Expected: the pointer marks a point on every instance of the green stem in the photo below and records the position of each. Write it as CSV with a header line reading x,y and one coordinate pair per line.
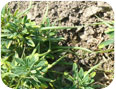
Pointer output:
x,y
94,67
60,27
106,71
49,41
104,51
18,83
23,52
73,47
45,53
54,63
65,63
30,5
39,48
49,45
56,72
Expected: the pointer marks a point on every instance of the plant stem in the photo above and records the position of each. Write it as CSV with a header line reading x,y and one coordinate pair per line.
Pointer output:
x,y
73,47
104,51
23,52
45,53
30,5
39,48
60,27
56,72
18,83
49,45
94,67
54,63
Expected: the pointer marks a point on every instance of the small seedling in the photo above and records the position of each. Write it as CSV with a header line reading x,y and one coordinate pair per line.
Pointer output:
x,y
81,79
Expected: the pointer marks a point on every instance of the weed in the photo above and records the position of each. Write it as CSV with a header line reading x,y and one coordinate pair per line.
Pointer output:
x,y
109,32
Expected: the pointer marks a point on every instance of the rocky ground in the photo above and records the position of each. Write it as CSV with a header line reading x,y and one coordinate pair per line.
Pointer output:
x,y
74,13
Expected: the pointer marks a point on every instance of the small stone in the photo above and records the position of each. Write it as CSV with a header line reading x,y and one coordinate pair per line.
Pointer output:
x,y
30,16
103,4
91,11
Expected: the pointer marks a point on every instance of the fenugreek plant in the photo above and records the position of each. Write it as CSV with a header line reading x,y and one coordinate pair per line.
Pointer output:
x,y
81,79
27,72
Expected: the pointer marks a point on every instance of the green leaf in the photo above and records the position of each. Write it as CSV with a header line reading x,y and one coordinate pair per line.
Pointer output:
x,y
25,31
5,35
105,43
14,36
24,19
68,77
109,30
89,88
5,31
35,78
45,79
45,15
20,61
75,71
86,79
5,50
51,33
50,56
37,85
8,74
31,43
44,70
33,71
32,59
81,73
91,81
16,12
56,39
16,55
92,68
48,22
111,35
8,44
92,74
20,70
3,11
43,85
25,11
42,63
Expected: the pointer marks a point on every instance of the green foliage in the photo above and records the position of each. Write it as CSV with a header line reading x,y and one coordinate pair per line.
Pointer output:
x,y
17,32
110,33
81,79
28,71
